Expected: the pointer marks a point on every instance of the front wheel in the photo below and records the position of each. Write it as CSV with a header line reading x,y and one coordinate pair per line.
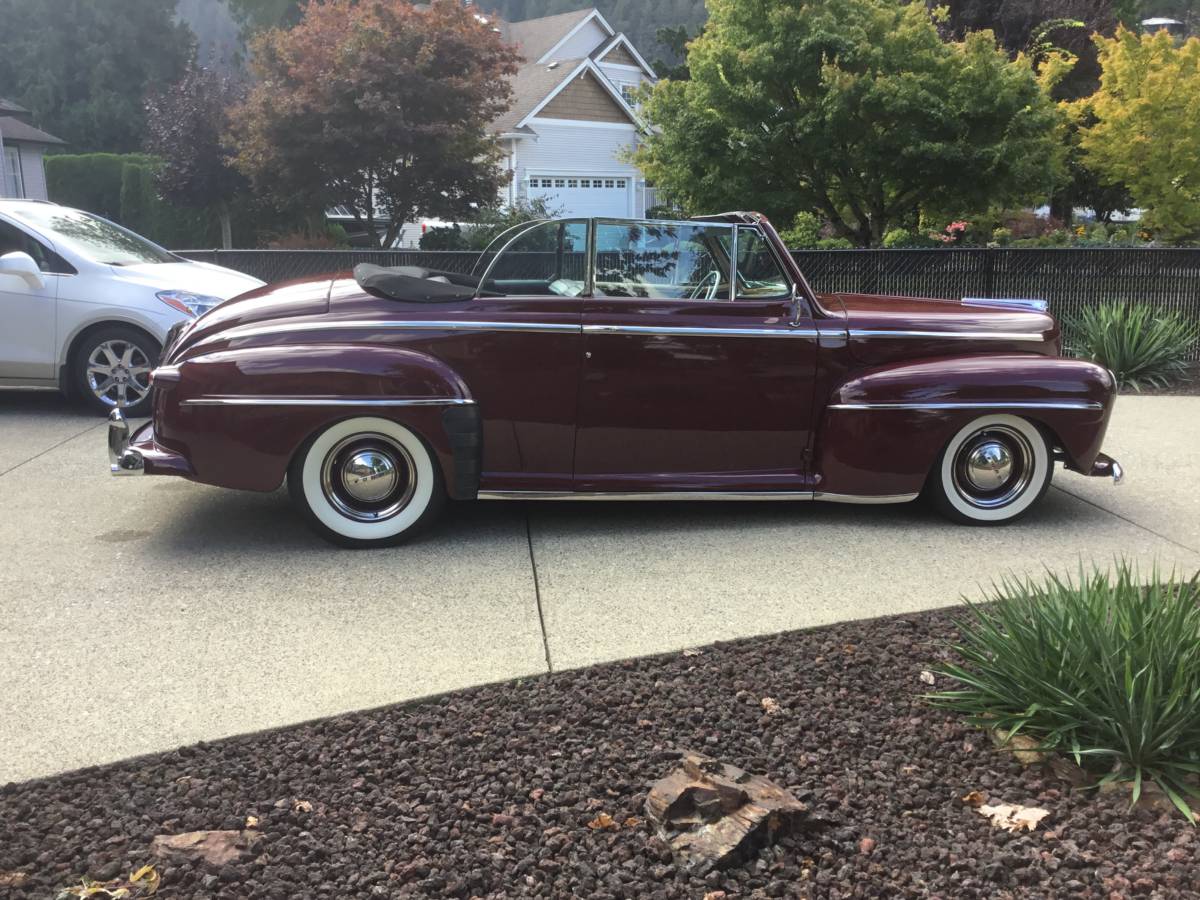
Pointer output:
x,y
366,482
992,471
111,370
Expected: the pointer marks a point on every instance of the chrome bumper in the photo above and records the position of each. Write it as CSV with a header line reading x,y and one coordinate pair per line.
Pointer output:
x,y
1106,466
122,460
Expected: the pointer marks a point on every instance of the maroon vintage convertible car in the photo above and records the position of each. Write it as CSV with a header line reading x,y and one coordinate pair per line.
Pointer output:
x,y
616,359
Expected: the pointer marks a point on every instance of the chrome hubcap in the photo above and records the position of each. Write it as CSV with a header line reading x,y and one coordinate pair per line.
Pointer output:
x,y
368,477
989,466
993,467
118,373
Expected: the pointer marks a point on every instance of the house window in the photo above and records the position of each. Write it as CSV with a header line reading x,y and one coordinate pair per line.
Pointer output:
x,y
572,182
629,92
560,182
12,171
621,183
608,183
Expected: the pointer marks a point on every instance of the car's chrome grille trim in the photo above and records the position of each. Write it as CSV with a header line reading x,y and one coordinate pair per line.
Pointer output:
x,y
686,331
867,333
697,495
978,404
328,401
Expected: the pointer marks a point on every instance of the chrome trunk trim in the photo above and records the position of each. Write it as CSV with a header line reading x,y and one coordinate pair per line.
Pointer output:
x,y
1029,303
245,331
867,333
683,331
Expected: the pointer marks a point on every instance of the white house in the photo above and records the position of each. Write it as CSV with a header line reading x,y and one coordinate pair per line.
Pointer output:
x,y
22,148
573,117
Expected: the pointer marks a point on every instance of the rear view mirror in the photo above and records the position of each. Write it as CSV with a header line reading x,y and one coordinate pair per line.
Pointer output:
x,y
21,265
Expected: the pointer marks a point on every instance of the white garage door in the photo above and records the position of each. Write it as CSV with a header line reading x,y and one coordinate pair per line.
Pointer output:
x,y
583,196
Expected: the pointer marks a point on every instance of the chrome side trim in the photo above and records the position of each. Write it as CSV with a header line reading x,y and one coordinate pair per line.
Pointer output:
x,y
327,401
866,499
645,495
1008,303
947,335
973,404
392,324
703,332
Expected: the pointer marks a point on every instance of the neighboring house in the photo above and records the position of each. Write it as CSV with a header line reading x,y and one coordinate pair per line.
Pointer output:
x,y
22,147
573,117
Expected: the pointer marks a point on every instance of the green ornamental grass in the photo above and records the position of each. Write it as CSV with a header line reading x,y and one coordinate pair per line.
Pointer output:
x,y
1106,671
1143,346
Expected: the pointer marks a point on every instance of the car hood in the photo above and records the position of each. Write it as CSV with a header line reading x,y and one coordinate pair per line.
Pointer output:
x,y
286,300
882,328
197,277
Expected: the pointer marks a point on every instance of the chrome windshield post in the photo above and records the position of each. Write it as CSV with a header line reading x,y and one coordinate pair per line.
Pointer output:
x,y
795,308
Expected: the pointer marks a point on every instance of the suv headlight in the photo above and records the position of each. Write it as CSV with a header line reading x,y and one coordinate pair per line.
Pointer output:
x,y
187,302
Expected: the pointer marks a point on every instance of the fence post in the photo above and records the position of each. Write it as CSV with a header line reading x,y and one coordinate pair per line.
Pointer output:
x,y
989,272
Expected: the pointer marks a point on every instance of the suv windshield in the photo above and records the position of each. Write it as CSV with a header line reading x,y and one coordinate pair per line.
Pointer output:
x,y
92,237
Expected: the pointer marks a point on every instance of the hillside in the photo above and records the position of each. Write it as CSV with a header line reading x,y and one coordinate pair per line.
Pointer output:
x,y
637,18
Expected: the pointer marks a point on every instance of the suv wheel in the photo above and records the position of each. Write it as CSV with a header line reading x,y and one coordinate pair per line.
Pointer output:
x,y
111,370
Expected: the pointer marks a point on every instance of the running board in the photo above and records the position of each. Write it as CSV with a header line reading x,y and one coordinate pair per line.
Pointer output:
x,y
697,495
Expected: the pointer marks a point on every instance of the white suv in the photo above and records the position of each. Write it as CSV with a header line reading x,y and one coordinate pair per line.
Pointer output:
x,y
85,304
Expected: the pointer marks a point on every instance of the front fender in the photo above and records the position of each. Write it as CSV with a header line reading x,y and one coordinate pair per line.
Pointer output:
x,y
883,429
239,416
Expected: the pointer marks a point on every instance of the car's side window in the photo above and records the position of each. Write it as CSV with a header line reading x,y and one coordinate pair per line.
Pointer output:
x,y
759,274
662,261
14,240
548,259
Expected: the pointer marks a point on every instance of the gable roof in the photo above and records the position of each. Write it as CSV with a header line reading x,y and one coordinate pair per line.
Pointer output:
x,y
532,84
623,42
574,71
15,130
537,37
8,106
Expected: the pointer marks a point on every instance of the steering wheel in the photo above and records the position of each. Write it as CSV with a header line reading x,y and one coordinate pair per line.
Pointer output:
x,y
715,278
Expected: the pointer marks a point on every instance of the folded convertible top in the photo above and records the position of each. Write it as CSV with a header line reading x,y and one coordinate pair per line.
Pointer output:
x,y
413,283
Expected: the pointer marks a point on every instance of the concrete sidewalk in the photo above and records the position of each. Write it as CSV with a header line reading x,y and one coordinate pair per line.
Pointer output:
x,y
141,614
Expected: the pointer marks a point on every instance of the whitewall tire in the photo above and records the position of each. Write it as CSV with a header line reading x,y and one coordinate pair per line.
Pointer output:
x,y
366,482
992,471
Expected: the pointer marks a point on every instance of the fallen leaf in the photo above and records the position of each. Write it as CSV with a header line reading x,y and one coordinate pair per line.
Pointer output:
x,y
927,676
604,820
644,723
974,798
251,821
715,895
771,705
13,879
147,879
692,651
1024,749
633,822
1013,817
866,846
302,806
848,648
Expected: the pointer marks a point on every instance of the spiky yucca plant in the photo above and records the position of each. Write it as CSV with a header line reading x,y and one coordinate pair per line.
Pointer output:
x,y
1143,346
1105,670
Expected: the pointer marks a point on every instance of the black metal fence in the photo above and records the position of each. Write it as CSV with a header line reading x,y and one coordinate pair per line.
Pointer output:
x,y
1069,279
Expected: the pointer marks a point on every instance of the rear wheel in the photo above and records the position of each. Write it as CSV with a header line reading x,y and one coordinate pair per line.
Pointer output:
x,y
992,471
111,370
366,482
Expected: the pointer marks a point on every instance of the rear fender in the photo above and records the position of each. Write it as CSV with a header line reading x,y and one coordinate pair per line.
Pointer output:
x,y
239,416
883,429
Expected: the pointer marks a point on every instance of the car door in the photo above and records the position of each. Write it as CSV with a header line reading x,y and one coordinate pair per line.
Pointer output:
x,y
27,313
687,385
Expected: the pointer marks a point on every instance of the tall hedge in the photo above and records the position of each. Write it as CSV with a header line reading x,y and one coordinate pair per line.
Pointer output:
x,y
121,187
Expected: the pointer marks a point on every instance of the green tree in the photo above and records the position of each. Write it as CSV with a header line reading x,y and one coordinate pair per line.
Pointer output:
x,y
1146,133
855,109
379,106
84,67
259,15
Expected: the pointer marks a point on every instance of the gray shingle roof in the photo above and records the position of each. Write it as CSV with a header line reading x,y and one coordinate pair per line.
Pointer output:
x,y
15,130
9,106
536,36
530,86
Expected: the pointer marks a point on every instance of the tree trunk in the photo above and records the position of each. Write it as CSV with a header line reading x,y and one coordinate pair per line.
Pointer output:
x,y
226,226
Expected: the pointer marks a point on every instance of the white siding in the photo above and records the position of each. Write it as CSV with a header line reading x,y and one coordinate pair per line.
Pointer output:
x,y
582,43
34,171
585,150
622,75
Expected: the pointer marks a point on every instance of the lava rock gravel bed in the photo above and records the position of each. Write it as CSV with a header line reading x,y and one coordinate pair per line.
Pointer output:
x,y
490,791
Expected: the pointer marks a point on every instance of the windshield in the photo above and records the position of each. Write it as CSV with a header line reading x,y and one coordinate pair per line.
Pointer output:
x,y
92,237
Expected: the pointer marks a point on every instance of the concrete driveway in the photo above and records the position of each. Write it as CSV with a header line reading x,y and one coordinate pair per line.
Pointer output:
x,y
143,613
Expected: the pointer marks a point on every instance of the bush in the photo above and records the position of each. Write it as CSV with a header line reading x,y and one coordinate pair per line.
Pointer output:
x,y
90,181
447,237
835,243
898,237
1106,671
1142,346
804,232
